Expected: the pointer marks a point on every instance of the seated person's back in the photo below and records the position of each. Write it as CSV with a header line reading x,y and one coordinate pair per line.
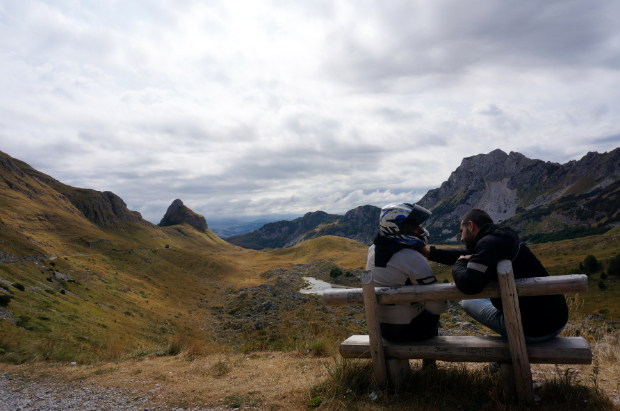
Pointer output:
x,y
393,261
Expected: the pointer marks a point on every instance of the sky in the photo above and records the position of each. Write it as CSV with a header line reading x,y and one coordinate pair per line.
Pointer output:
x,y
251,108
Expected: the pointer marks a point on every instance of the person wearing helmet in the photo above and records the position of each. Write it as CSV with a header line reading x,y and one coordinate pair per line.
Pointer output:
x,y
394,261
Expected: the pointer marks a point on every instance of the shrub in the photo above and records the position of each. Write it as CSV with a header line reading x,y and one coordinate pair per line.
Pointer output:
x,y
20,287
318,348
5,300
601,284
590,263
335,272
221,367
614,266
53,264
603,275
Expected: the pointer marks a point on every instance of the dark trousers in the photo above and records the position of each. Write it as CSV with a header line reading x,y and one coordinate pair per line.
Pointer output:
x,y
423,327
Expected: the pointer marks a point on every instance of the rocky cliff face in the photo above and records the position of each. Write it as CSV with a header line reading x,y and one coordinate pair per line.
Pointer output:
x,y
105,209
178,213
539,199
360,224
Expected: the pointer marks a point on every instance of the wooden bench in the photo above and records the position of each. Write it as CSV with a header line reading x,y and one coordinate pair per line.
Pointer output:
x,y
391,359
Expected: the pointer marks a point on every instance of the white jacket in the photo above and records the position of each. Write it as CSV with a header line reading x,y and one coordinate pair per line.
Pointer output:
x,y
406,264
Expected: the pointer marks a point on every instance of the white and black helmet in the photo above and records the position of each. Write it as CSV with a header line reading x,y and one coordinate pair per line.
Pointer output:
x,y
398,221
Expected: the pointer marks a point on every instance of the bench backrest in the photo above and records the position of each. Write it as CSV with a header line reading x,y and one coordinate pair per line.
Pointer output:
x,y
561,284
505,287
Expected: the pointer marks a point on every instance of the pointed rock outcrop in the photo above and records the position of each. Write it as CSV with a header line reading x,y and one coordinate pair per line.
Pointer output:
x,y
178,213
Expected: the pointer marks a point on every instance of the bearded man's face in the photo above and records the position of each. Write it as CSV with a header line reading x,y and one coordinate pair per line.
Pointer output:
x,y
467,237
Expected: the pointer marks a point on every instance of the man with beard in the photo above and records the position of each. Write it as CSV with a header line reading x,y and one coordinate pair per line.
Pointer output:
x,y
543,317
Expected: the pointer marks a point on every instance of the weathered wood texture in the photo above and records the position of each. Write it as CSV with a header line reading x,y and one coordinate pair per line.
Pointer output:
x,y
560,350
374,329
561,284
399,372
514,330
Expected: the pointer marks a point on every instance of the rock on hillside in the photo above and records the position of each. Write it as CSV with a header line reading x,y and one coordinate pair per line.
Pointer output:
x,y
178,213
544,201
360,224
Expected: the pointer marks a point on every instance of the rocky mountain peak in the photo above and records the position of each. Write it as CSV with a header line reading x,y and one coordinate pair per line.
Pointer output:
x,y
176,204
178,213
509,185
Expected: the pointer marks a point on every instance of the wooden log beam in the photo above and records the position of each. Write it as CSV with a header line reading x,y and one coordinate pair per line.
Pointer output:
x,y
526,287
559,350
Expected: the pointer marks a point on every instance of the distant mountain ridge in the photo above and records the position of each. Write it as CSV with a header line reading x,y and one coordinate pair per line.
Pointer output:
x,y
543,201
360,224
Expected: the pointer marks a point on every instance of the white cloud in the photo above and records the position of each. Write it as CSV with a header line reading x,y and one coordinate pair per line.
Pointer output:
x,y
263,107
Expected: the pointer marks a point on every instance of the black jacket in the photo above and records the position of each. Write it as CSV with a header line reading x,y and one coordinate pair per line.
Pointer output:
x,y
540,315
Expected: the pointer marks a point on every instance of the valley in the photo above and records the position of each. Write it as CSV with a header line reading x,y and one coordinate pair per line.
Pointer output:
x,y
173,316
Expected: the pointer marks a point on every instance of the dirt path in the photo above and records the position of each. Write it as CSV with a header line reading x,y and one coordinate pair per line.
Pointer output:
x,y
268,381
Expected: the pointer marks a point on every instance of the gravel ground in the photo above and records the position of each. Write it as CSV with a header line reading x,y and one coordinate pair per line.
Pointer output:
x,y
22,394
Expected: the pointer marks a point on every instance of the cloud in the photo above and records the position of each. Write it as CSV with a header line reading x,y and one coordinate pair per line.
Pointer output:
x,y
251,108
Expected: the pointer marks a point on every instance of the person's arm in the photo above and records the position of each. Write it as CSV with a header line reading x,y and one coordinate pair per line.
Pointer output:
x,y
472,273
447,256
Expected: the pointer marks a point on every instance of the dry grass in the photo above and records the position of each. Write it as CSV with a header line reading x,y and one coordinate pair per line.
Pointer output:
x,y
275,380
279,380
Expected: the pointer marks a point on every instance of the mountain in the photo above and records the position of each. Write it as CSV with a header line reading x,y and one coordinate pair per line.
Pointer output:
x,y
41,217
178,213
543,201
85,279
360,224
237,228
105,209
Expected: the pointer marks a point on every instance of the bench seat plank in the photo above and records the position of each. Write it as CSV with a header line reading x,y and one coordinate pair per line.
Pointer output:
x,y
560,350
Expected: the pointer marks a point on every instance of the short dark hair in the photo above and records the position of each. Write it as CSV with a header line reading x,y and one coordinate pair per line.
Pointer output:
x,y
477,216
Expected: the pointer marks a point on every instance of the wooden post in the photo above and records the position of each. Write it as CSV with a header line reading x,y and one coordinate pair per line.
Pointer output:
x,y
398,372
508,380
514,329
374,330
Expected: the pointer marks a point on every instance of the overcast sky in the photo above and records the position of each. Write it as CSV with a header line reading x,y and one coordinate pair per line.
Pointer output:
x,y
264,107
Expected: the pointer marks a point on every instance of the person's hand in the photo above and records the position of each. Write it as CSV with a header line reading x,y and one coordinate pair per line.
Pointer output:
x,y
465,257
